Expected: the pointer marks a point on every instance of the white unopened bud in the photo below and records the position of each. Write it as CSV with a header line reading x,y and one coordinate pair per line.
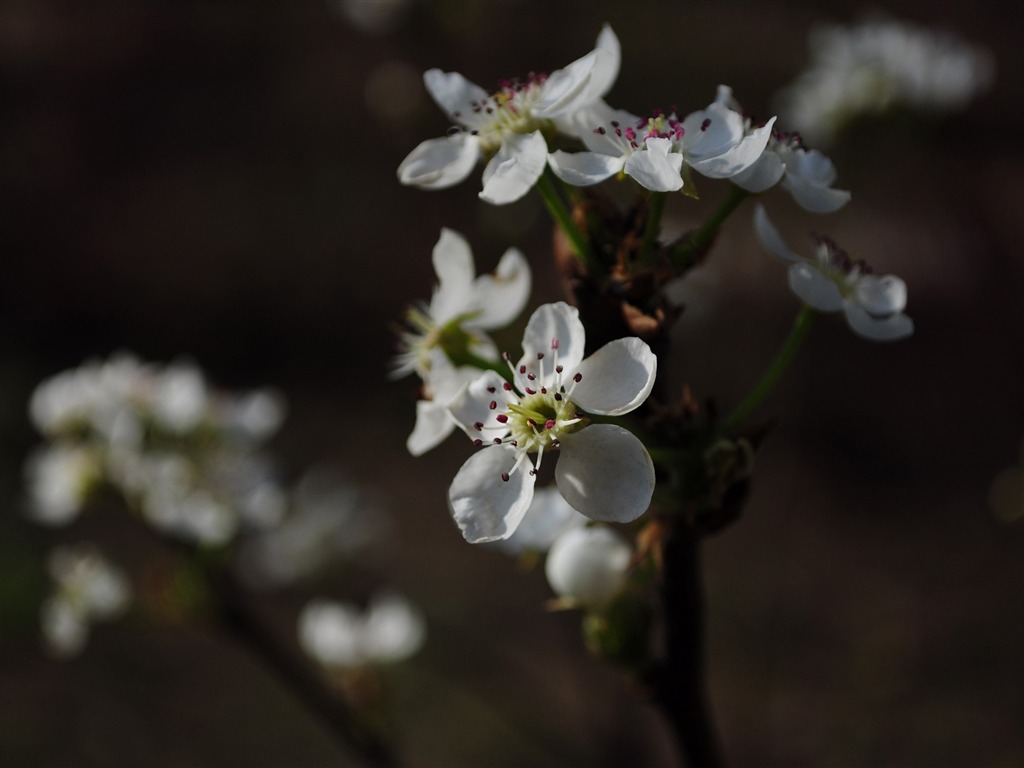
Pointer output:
x,y
588,565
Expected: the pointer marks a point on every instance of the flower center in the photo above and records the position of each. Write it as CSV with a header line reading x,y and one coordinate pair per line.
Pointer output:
x,y
538,409
657,126
838,265
507,110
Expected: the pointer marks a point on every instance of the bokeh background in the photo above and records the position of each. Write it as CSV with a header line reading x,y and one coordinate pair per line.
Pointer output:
x,y
216,180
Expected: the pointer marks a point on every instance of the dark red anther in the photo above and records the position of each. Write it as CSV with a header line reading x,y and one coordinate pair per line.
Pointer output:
x,y
493,404
578,378
705,124
507,387
504,476
531,391
502,418
478,426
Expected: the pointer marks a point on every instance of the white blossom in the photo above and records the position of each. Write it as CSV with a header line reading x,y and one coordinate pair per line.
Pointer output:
x,y
508,126
604,471
833,280
184,455
88,589
879,64
341,635
716,142
59,478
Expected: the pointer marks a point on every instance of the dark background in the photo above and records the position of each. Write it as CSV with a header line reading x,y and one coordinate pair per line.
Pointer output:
x,y
213,180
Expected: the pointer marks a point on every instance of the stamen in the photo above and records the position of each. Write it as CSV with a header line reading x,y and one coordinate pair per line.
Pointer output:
x,y
502,418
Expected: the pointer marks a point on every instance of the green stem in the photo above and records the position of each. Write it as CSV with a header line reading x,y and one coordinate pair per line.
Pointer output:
x,y
690,250
563,217
801,327
655,207
465,357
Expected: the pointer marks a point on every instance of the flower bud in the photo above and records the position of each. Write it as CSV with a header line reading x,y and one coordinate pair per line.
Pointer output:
x,y
588,565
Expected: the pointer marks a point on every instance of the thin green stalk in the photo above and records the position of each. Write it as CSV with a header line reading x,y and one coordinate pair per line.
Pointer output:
x,y
690,249
792,344
563,217
655,207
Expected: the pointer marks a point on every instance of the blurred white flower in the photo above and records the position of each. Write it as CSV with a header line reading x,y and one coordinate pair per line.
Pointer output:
x,y
88,589
340,635
59,478
183,454
374,17
329,518
179,397
833,280
878,64
588,566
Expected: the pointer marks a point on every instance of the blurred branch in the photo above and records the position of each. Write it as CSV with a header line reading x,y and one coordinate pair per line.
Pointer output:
x,y
242,617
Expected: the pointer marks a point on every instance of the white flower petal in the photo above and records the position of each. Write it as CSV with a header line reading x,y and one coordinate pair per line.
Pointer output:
x,y
814,289
815,198
471,406
582,169
762,175
881,296
515,168
586,79
548,517
453,264
737,158
440,163
657,168
433,425
485,507
454,94
809,176
605,472
393,628
891,328
499,298
617,378
770,238
554,321
331,633
710,132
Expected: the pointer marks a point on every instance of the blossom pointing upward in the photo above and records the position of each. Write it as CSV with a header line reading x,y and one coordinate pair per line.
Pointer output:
x,y
508,126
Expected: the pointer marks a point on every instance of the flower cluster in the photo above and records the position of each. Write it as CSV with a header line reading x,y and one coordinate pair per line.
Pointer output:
x,y
879,64
186,456
89,589
588,414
